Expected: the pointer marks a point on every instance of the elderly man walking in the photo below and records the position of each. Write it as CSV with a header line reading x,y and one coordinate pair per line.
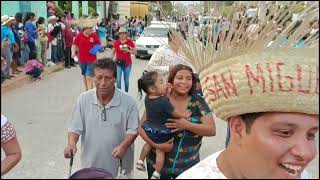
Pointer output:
x,y
107,120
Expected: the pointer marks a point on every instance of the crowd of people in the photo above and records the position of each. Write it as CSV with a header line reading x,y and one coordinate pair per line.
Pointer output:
x,y
22,37
266,139
203,29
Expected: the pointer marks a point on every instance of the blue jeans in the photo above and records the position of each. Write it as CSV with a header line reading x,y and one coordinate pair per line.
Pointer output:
x,y
35,73
86,69
54,53
32,46
126,71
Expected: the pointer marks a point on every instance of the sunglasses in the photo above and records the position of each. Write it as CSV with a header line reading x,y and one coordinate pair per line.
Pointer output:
x,y
104,114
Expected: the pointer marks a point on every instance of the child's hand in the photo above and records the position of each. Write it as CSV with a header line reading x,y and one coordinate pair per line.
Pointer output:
x,y
186,114
169,89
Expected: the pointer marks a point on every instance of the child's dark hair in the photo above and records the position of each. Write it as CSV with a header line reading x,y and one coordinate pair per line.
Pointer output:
x,y
32,55
148,79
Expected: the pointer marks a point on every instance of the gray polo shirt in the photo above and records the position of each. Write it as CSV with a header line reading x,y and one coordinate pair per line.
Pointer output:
x,y
99,137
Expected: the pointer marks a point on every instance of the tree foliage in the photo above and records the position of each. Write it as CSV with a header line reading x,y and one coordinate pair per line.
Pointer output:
x,y
228,11
167,6
298,8
59,11
67,6
91,11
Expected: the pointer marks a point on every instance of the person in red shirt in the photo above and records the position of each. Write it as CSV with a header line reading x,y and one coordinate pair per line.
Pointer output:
x,y
123,48
84,41
68,34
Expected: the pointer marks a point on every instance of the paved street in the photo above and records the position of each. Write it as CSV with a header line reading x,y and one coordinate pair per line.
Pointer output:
x,y
39,111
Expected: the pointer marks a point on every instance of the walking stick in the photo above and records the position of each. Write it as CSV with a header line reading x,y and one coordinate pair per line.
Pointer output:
x,y
121,172
70,165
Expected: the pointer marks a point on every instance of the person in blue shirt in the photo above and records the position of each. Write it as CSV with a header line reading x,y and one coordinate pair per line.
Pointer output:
x,y
7,42
301,41
31,30
102,33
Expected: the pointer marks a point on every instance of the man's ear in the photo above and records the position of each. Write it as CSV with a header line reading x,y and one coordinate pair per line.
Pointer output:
x,y
237,129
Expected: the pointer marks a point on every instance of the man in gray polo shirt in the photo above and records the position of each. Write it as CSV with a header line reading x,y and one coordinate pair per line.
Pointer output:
x,y
107,121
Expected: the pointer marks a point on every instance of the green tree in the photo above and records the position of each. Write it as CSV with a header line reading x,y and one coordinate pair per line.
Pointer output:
x,y
228,3
59,10
91,11
298,8
166,6
68,6
93,5
228,11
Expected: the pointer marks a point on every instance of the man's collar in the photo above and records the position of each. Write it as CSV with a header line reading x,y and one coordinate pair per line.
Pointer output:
x,y
115,101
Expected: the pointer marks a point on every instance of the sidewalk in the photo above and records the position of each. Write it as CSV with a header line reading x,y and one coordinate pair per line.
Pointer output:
x,y
23,78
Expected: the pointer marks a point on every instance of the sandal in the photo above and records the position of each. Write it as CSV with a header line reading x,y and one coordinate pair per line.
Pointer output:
x,y
140,166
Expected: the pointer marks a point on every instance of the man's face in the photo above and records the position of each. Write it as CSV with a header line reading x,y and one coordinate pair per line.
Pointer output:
x,y
280,145
13,22
123,36
104,81
87,30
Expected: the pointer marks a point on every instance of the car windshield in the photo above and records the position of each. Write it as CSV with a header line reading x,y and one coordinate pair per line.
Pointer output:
x,y
155,32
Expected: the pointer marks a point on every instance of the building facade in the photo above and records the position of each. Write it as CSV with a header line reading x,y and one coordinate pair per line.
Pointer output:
x,y
39,8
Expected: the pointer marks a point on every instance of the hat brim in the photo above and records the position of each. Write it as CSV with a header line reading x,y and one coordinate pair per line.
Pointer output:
x,y
122,32
87,23
7,21
50,19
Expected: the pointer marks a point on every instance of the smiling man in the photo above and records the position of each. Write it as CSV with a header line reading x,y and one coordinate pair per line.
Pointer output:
x,y
270,99
107,121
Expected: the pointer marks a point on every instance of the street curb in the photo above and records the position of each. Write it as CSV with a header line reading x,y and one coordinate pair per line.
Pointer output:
x,y
23,79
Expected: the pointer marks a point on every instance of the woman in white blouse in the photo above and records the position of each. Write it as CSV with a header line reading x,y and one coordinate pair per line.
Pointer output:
x,y
166,57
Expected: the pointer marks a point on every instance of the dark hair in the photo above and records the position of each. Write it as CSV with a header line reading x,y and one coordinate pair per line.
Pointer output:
x,y
29,15
178,68
106,63
40,21
18,17
148,79
249,119
60,17
32,55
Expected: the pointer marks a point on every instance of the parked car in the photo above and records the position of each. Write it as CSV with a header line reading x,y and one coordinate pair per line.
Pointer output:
x,y
151,39
164,24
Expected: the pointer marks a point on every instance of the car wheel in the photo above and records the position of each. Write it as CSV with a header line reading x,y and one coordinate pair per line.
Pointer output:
x,y
137,56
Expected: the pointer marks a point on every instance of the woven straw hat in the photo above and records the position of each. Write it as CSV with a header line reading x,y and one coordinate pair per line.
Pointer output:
x,y
87,22
243,75
122,29
277,80
6,19
52,18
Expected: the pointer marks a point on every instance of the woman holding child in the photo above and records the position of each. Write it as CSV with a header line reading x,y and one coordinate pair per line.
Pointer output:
x,y
183,150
